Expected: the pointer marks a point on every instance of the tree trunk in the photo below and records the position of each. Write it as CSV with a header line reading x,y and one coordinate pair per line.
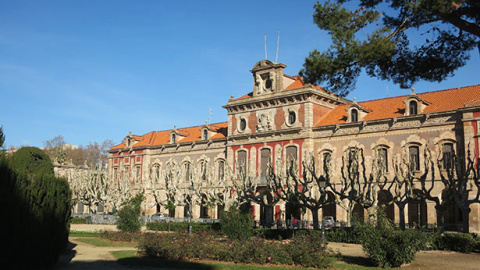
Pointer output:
x,y
439,209
466,221
315,218
401,215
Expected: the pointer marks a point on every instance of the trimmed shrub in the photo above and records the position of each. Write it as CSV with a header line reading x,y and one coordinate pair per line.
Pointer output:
x,y
236,225
181,226
461,242
121,236
78,220
386,246
31,161
305,250
129,215
37,208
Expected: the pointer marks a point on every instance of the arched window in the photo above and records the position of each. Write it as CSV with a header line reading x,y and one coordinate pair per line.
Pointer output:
x,y
174,138
326,162
448,155
205,134
241,165
186,171
264,160
354,115
156,171
203,170
291,152
221,170
382,158
412,107
414,157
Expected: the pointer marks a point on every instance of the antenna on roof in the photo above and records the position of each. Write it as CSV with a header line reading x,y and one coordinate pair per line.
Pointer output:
x,y
265,39
278,41
387,89
209,114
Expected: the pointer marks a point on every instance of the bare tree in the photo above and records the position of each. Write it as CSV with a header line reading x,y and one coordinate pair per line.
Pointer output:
x,y
252,189
55,149
460,179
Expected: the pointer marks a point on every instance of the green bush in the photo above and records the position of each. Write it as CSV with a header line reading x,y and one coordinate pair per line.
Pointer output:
x,y
236,225
129,215
461,242
121,236
386,246
37,207
181,226
31,161
305,250
78,220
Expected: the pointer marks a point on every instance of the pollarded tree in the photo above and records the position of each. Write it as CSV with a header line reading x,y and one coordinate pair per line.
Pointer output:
x,y
248,188
462,183
357,186
448,30
308,189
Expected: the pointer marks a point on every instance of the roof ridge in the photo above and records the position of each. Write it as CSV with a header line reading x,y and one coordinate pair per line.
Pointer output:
x,y
422,93
218,123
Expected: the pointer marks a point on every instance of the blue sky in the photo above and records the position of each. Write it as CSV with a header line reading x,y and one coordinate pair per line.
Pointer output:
x,y
95,70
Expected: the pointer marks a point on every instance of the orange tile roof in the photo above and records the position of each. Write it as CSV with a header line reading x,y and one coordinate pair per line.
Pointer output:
x,y
189,134
443,100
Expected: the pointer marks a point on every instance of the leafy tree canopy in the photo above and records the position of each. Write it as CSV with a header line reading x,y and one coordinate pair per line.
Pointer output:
x,y
31,161
2,137
376,37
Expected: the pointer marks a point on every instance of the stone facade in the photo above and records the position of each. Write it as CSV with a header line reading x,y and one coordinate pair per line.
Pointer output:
x,y
283,117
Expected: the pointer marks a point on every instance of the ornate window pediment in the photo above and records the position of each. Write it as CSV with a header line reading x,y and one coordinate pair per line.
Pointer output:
x,y
177,135
356,112
414,104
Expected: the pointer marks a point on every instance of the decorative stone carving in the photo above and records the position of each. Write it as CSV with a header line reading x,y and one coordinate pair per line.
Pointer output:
x,y
264,122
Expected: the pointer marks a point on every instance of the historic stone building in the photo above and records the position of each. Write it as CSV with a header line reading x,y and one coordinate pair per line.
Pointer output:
x,y
283,118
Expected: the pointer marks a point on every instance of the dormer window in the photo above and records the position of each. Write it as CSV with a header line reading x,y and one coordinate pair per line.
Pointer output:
x,y
413,108
414,104
205,134
354,115
174,138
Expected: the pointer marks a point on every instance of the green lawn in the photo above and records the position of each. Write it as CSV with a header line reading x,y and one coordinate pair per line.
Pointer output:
x,y
129,258
83,234
104,243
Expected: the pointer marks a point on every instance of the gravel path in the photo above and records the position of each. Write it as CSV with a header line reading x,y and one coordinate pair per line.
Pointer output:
x,y
85,256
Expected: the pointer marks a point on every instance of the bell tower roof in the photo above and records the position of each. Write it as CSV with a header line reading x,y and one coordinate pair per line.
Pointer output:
x,y
267,77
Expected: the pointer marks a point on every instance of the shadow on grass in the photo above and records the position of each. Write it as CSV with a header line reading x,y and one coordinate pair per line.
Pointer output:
x,y
361,261
158,263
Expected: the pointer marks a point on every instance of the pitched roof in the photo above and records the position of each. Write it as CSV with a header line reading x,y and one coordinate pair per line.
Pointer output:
x,y
443,100
188,134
